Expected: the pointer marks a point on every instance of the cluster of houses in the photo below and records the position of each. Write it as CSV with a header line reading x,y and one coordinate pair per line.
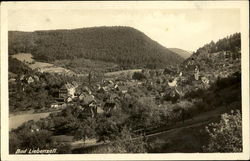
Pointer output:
x,y
29,78
207,67
86,99
23,79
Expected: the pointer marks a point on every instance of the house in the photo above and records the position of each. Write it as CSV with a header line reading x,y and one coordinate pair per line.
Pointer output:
x,y
116,87
30,80
63,92
69,99
102,90
90,108
205,80
173,83
123,89
68,90
110,82
36,78
22,77
58,105
81,96
39,70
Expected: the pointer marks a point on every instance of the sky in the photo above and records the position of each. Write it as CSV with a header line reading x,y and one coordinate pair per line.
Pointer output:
x,y
187,29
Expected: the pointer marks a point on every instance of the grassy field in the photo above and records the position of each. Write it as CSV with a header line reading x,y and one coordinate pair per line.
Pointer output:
x,y
24,57
27,58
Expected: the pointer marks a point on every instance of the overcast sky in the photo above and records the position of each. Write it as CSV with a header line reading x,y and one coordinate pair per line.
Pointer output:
x,y
187,29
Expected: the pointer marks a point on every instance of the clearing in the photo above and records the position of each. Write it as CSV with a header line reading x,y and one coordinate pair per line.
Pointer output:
x,y
27,58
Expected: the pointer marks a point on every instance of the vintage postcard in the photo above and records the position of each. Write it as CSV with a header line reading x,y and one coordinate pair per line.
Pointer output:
x,y
131,80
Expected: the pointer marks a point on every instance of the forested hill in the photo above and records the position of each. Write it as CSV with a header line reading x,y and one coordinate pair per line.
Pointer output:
x,y
125,46
230,43
223,55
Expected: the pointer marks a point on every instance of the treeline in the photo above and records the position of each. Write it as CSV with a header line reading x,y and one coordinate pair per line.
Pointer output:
x,y
21,42
230,43
125,46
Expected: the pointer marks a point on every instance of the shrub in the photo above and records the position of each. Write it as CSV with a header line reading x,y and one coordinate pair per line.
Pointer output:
x,y
138,76
124,143
225,136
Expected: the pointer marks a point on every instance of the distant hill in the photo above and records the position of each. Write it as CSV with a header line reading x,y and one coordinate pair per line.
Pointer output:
x,y
183,53
124,46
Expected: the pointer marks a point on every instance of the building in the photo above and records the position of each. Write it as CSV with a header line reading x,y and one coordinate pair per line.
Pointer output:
x,y
30,80
68,90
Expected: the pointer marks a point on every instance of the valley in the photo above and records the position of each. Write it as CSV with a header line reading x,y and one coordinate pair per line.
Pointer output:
x,y
118,98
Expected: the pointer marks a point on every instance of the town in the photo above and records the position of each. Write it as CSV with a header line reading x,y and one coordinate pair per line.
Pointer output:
x,y
122,110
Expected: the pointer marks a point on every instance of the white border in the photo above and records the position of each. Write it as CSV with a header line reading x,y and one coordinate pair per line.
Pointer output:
x,y
242,5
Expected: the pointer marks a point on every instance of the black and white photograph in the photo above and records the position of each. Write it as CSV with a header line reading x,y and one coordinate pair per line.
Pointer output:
x,y
132,77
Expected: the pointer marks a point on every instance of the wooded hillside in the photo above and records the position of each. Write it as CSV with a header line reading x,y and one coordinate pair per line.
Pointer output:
x,y
230,43
125,46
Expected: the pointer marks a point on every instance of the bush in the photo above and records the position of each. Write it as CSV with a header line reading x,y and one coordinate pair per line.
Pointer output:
x,y
225,136
25,139
138,76
107,129
125,143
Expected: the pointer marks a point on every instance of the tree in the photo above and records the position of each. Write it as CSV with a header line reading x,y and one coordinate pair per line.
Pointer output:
x,y
14,142
90,77
85,130
138,76
40,139
225,136
107,129
126,142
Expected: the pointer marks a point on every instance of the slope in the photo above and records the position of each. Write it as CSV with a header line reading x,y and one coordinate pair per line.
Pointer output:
x,y
217,59
125,46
